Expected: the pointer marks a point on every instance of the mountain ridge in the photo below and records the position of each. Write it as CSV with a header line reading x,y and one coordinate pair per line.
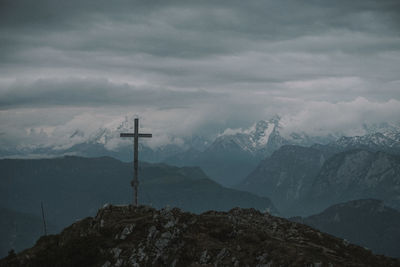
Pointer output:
x,y
255,140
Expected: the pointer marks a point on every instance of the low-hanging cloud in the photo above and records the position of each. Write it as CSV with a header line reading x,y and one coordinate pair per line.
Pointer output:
x,y
344,118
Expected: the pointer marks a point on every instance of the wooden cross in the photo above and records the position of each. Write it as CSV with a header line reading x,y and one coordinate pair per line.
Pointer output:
x,y
135,135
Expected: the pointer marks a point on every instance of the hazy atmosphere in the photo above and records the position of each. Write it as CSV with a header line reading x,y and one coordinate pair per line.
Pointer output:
x,y
195,67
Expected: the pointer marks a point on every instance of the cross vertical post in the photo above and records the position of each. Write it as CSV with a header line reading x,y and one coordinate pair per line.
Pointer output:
x,y
135,182
135,135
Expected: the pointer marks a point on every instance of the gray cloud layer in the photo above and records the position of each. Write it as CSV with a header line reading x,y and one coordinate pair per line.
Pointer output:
x,y
226,64
88,92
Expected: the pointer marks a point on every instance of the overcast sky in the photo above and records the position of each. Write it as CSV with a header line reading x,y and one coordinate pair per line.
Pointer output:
x,y
196,67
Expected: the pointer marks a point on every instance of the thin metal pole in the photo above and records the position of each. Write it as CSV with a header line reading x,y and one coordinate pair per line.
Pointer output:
x,y
44,221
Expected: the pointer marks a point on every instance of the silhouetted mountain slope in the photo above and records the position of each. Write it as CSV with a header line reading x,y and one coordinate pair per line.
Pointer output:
x,y
365,222
303,181
286,176
75,187
142,236
357,174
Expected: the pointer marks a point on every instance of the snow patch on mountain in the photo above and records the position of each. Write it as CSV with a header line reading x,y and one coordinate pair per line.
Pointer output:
x,y
264,137
263,140
374,141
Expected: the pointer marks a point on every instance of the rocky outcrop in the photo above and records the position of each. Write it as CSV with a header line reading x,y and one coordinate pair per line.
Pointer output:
x,y
143,236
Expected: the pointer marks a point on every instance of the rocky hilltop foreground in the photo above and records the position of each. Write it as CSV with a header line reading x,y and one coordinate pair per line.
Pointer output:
x,y
143,236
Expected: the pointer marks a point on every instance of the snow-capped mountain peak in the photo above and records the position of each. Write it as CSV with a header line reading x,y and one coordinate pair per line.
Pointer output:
x,y
255,139
263,131
389,130
373,140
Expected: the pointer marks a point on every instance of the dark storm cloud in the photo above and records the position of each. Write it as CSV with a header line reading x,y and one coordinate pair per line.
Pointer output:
x,y
195,43
185,28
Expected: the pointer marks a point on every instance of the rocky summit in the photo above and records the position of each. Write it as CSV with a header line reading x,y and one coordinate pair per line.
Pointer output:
x,y
143,236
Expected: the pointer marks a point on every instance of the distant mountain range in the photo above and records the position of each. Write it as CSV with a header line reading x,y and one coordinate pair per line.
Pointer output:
x,y
105,141
388,142
226,159
305,180
366,222
232,156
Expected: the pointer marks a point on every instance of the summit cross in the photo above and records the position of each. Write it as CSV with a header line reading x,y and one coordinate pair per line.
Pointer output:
x,y
135,135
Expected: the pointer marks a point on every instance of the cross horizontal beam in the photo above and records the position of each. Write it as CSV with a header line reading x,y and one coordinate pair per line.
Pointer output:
x,y
133,135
